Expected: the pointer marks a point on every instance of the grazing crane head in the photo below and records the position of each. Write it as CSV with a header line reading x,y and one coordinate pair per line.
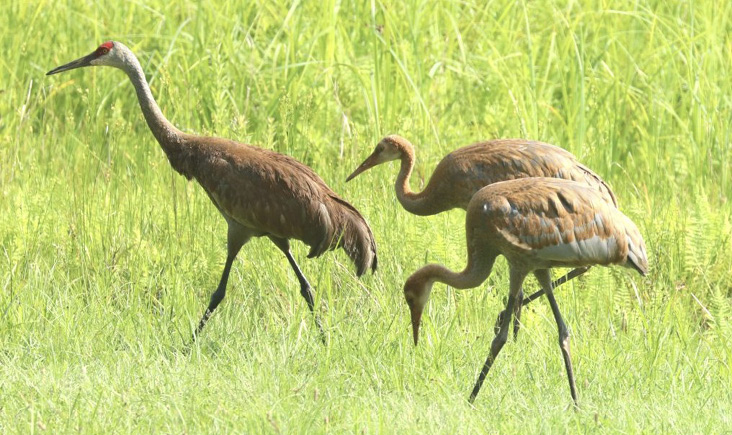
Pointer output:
x,y
389,148
417,291
111,53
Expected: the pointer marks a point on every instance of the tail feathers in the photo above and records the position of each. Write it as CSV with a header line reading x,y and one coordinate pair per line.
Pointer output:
x,y
637,258
605,189
352,233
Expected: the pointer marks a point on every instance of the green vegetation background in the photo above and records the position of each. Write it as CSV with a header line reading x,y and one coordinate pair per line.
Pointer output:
x,y
108,257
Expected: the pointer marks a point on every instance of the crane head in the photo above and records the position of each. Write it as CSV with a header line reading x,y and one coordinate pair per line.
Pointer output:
x,y
417,291
106,54
388,149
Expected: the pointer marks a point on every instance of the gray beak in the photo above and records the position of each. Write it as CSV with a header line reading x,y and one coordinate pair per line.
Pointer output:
x,y
78,63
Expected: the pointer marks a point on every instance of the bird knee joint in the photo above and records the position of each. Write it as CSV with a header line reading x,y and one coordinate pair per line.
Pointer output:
x,y
306,291
564,341
217,297
500,339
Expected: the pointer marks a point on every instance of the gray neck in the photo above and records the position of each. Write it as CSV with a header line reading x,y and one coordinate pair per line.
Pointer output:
x,y
165,133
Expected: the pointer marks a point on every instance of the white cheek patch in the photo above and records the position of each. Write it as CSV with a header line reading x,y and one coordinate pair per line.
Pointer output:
x,y
388,155
595,249
425,296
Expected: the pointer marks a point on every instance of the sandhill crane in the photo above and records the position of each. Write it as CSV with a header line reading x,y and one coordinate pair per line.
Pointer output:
x,y
463,172
258,192
537,224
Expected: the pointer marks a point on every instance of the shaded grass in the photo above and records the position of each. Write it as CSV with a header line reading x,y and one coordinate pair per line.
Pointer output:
x,y
108,257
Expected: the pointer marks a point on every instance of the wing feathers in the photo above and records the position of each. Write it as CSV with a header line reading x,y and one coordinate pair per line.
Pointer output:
x,y
557,222
272,194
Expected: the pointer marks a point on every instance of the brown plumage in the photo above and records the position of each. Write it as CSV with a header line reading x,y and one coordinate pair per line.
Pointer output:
x,y
259,192
274,195
537,224
463,172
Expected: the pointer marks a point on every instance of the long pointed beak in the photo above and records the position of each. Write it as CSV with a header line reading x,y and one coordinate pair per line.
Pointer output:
x,y
78,63
369,163
416,318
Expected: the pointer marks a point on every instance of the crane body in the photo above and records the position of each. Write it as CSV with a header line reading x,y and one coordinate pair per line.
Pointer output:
x,y
537,224
259,192
463,172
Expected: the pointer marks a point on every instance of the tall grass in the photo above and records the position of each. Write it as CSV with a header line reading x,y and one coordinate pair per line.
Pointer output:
x,y
108,258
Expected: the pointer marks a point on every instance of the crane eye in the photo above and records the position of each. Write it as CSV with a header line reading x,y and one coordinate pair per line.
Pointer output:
x,y
104,48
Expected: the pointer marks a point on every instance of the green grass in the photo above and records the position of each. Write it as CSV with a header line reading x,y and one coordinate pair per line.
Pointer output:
x,y
108,257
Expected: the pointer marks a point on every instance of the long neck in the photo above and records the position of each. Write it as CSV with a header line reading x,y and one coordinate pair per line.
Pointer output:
x,y
166,134
414,203
475,272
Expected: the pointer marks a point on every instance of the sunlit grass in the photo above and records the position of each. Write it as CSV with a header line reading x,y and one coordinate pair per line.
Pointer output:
x,y
108,257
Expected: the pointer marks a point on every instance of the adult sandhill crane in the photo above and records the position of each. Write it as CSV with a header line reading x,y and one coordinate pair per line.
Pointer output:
x,y
258,192
463,172
537,224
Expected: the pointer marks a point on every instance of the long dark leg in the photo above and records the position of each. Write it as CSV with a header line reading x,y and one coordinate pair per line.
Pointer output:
x,y
517,279
574,273
306,289
544,277
569,276
235,240
517,313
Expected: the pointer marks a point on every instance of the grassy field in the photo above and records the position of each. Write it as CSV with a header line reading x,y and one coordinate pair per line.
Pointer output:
x,y
108,257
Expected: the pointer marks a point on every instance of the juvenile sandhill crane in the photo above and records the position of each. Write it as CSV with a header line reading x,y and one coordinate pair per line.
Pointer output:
x,y
463,172
537,224
258,192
